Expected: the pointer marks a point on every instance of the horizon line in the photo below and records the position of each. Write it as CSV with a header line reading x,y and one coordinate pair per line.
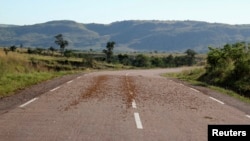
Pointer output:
x,y
187,20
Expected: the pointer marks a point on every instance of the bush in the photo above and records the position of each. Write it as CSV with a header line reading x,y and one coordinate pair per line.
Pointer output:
x,y
141,61
229,67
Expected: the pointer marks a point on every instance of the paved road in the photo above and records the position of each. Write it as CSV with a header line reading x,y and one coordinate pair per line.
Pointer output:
x,y
118,106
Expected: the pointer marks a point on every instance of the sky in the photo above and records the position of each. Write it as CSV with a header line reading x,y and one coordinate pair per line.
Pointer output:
x,y
27,12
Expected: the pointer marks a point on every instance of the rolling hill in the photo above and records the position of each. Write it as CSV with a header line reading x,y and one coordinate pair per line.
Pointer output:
x,y
129,35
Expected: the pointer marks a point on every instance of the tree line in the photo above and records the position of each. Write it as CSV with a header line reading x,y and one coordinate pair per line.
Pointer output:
x,y
139,60
142,60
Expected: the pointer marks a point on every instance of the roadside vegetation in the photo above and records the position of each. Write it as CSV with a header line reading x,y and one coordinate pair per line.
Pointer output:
x,y
22,66
17,71
229,67
227,70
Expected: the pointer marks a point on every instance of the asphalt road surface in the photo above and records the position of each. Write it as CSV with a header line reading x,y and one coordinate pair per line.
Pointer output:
x,y
131,105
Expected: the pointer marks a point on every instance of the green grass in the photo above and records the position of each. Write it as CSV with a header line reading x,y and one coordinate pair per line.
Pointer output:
x,y
16,81
192,76
17,71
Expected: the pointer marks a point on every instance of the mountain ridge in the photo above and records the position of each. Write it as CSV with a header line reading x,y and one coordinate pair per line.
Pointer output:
x,y
143,35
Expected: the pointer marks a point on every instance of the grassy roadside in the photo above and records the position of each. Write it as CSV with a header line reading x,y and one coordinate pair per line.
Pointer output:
x,y
18,71
192,76
16,81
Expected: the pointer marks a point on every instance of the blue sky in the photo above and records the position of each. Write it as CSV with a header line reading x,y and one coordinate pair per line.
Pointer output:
x,y
26,12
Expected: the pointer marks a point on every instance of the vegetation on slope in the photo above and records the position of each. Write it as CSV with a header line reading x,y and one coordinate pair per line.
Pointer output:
x,y
227,67
21,67
17,72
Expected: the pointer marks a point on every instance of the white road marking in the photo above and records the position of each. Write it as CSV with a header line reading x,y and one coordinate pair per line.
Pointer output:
x,y
25,104
78,77
55,89
195,90
248,116
181,84
138,121
133,104
136,115
69,81
216,100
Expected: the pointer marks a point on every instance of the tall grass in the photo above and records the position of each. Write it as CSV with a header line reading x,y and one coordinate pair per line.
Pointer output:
x,y
18,72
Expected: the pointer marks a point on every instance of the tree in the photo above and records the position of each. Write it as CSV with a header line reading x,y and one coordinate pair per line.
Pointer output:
x,y
13,48
141,61
61,42
190,57
169,61
156,61
52,49
124,59
109,51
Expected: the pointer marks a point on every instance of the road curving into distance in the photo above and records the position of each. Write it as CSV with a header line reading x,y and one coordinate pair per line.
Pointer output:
x,y
129,105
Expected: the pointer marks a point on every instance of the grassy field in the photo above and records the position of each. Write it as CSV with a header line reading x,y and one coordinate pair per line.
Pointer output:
x,y
17,71
192,76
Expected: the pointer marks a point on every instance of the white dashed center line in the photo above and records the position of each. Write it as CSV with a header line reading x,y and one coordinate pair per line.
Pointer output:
x,y
138,121
136,115
216,100
133,104
27,103
55,89
181,84
69,81
195,90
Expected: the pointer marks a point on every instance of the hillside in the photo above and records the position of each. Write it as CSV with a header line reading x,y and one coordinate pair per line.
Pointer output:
x,y
134,35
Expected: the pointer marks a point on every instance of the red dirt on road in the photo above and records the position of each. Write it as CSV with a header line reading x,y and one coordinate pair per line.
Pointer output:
x,y
97,106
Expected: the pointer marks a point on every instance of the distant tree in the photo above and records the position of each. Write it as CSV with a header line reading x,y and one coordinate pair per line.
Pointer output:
x,y
169,61
156,61
61,42
52,49
29,51
109,51
124,59
6,51
180,61
190,57
141,61
13,48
